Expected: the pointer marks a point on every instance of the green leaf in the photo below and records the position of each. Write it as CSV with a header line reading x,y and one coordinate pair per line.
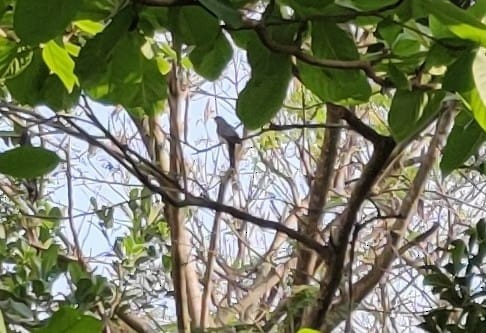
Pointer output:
x,y
97,10
265,92
458,21
76,272
405,45
26,87
69,320
40,21
334,85
18,309
479,75
194,25
306,8
60,63
124,75
460,78
49,260
398,77
405,111
28,162
465,138
130,78
458,253
90,27
440,55
224,11
39,287
211,59
307,330
477,106
478,10
98,51
481,228
167,262
407,123
437,280
85,291
34,86
12,59
388,30
3,329
55,95
365,5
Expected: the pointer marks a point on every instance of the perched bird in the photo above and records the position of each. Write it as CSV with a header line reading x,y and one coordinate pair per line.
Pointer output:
x,y
228,135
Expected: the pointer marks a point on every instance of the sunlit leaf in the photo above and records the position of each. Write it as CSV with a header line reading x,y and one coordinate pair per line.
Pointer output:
x,y
465,138
458,21
60,63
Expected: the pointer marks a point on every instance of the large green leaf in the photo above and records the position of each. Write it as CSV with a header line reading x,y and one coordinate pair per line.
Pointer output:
x,y
405,111
412,111
194,25
129,79
26,87
388,30
28,162
97,10
476,105
265,92
98,51
458,21
211,59
462,143
69,320
478,10
398,78
223,10
440,55
12,58
55,95
479,75
60,63
405,45
34,86
3,329
334,85
460,78
39,21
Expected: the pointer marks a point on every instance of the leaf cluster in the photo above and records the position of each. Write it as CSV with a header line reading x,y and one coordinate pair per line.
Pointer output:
x,y
460,285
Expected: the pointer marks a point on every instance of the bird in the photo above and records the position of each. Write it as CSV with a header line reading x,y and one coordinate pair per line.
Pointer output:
x,y
228,135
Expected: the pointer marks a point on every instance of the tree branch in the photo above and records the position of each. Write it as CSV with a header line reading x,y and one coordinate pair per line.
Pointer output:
x,y
363,65
332,278
319,191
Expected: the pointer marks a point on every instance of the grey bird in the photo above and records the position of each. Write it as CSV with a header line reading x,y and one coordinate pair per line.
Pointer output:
x,y
228,135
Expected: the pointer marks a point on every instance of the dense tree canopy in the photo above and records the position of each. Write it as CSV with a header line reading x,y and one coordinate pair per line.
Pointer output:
x,y
362,161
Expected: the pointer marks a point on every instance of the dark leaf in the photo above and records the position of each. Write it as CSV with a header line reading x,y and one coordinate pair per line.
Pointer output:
x,y
69,320
40,21
28,162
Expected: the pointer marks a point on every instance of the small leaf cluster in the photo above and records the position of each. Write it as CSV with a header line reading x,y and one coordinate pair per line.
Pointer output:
x,y
461,285
30,272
